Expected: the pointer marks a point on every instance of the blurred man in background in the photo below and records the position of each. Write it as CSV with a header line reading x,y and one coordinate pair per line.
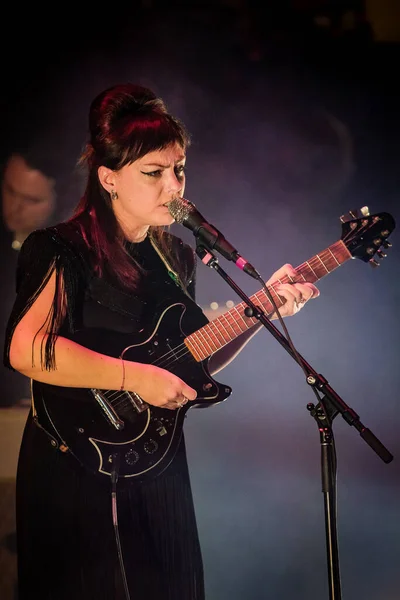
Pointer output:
x,y
28,198
28,203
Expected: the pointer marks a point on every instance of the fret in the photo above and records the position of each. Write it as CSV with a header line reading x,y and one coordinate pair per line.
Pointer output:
x,y
233,323
196,341
310,267
241,317
299,271
227,330
307,272
196,346
322,263
267,302
278,299
344,253
217,335
257,301
326,258
189,345
219,332
261,297
204,334
268,306
334,257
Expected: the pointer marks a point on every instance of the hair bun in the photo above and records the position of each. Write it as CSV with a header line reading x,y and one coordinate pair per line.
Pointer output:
x,y
120,101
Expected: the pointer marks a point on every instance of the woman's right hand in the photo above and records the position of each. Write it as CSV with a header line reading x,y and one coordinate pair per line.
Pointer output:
x,y
161,388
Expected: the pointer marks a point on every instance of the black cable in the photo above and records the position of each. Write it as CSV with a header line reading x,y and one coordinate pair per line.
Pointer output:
x,y
114,508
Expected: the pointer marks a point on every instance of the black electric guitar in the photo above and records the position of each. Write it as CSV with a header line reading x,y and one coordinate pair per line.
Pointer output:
x,y
105,428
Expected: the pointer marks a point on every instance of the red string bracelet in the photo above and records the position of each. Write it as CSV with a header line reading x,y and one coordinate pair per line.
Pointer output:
x,y
122,388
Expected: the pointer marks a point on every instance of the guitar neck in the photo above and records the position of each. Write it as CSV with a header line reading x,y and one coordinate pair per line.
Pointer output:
x,y
225,328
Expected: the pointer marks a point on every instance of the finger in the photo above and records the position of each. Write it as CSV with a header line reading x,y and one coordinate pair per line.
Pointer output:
x,y
181,402
175,404
314,289
169,406
189,393
308,290
286,270
290,305
291,293
304,290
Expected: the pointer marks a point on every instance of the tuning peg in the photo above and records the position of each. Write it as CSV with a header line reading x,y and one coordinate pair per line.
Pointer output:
x,y
374,263
346,217
386,244
355,213
381,254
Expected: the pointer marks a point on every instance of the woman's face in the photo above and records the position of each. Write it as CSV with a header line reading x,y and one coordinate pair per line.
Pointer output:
x,y
146,186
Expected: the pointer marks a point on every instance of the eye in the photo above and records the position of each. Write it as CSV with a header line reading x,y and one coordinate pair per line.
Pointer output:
x,y
152,173
180,171
33,200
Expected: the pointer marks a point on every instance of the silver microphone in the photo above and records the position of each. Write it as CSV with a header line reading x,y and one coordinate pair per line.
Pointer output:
x,y
185,213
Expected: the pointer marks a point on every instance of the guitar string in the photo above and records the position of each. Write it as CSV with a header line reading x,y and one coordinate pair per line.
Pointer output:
x,y
181,350
122,396
172,353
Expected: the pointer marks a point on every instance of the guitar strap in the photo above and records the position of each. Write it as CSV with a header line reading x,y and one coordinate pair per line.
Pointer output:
x,y
171,272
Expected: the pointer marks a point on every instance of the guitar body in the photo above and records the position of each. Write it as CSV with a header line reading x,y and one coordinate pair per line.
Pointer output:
x,y
149,437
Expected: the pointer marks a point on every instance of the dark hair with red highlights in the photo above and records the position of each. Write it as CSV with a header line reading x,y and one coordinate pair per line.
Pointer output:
x,y
126,122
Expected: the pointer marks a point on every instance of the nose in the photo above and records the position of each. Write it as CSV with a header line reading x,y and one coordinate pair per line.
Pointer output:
x,y
174,184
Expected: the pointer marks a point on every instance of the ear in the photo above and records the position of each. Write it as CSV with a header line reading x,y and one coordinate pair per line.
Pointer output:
x,y
106,178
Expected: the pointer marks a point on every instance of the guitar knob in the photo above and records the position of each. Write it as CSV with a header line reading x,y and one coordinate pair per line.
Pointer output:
x,y
374,263
131,457
150,446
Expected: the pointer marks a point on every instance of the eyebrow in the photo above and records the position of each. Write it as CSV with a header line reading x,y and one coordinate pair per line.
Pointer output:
x,y
163,166
14,191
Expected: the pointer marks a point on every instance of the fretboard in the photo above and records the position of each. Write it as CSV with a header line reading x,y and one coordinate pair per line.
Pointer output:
x,y
225,328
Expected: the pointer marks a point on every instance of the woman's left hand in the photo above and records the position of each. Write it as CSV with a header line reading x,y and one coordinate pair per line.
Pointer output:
x,y
294,295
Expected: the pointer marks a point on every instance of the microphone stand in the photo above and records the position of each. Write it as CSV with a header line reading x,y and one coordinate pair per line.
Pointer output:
x,y
329,406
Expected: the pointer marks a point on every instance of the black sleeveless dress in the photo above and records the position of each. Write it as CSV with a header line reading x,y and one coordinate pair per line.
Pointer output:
x,y
65,537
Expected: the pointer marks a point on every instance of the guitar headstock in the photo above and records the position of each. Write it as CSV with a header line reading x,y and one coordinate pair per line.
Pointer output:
x,y
365,235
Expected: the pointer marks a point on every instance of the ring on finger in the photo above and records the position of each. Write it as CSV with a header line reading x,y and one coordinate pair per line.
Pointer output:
x,y
182,402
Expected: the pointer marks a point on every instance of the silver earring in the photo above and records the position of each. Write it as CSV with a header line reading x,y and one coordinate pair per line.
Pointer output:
x,y
113,195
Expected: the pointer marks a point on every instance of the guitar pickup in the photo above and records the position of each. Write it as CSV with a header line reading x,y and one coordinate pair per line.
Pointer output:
x,y
108,409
